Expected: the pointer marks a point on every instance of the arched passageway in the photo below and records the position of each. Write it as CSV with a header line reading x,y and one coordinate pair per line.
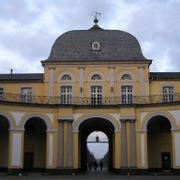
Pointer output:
x,y
97,151
35,144
87,127
4,142
159,143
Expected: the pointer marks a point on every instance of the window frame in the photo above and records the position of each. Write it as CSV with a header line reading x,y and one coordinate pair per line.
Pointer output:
x,y
96,96
127,97
168,96
66,96
26,98
1,93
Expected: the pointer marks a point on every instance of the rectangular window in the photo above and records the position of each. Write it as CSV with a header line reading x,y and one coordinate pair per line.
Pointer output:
x,y
26,95
66,95
168,94
1,93
126,94
96,95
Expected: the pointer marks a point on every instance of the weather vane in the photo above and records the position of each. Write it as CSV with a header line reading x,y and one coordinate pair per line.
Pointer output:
x,y
96,15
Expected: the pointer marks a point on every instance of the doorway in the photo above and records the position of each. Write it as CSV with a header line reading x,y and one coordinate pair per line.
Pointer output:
x,y
28,160
166,160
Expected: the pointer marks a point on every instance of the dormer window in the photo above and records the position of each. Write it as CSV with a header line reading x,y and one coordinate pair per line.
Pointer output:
x,y
96,77
96,46
126,77
66,77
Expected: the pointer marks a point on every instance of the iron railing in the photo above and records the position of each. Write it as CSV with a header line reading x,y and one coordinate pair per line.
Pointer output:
x,y
153,99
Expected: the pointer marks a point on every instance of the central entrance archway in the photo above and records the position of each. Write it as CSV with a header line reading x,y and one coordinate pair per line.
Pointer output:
x,y
87,127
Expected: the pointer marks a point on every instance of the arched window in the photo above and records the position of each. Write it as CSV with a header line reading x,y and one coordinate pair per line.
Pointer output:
x,y
96,77
66,77
126,77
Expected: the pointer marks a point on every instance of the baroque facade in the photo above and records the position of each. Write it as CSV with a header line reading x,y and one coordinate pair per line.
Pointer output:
x,y
94,79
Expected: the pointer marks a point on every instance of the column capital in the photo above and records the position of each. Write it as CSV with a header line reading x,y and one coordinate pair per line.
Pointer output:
x,y
177,130
111,67
66,118
52,131
81,67
16,130
123,120
127,117
141,66
51,68
141,131
132,120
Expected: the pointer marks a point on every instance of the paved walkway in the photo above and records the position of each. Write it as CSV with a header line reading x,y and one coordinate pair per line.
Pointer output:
x,y
95,176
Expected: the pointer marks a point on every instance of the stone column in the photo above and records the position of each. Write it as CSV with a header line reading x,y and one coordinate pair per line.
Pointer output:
x,y
51,150
175,148
117,148
61,145
69,146
123,144
132,144
142,154
75,150
16,149
65,151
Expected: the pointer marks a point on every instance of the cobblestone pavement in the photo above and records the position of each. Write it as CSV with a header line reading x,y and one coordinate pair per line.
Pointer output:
x,y
88,177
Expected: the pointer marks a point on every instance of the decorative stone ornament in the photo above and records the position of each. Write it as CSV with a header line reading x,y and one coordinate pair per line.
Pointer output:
x,y
96,46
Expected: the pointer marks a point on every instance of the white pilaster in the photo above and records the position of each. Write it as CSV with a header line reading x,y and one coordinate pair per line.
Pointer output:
x,y
16,151
111,81
50,160
51,80
141,75
177,149
143,140
81,81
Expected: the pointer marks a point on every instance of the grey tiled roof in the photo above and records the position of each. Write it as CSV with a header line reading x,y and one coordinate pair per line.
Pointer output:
x,y
115,45
165,75
22,77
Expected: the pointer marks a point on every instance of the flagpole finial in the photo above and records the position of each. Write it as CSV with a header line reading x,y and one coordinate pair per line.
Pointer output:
x,y
96,14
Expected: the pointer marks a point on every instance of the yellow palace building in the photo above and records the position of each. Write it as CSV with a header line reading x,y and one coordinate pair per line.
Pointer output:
x,y
93,80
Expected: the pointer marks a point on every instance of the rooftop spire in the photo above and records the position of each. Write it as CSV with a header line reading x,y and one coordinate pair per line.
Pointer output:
x,y
96,14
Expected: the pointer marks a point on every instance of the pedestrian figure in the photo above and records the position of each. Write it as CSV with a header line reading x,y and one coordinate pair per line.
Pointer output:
x,y
95,165
90,165
101,165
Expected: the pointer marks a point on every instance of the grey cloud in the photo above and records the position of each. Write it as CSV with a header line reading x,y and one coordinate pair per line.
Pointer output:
x,y
158,25
37,23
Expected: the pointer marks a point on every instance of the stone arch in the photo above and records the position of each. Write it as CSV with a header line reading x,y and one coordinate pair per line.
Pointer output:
x,y
44,117
126,72
66,73
10,118
76,124
96,72
149,116
126,77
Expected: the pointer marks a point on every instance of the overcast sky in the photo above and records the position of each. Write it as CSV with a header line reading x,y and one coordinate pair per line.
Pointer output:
x,y
28,28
